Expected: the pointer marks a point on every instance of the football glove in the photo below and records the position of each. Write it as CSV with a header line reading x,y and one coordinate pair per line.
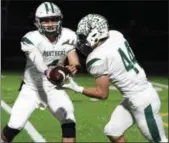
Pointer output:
x,y
73,86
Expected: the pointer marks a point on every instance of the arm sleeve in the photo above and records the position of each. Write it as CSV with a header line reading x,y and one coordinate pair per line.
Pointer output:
x,y
35,56
98,68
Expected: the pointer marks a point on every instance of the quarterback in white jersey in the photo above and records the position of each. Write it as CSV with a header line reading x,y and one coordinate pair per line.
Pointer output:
x,y
46,47
52,54
110,58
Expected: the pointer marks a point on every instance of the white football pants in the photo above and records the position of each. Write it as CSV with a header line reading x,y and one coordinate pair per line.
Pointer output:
x,y
28,100
142,109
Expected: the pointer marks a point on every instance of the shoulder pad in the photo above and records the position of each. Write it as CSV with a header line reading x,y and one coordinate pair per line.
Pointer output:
x,y
115,33
69,36
32,38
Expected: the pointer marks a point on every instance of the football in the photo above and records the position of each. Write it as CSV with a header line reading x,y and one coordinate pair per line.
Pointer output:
x,y
58,75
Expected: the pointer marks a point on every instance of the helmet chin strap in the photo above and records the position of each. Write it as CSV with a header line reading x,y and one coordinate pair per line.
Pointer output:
x,y
53,36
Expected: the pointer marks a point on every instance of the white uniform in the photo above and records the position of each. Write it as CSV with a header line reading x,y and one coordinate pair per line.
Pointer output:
x,y
52,54
141,102
37,90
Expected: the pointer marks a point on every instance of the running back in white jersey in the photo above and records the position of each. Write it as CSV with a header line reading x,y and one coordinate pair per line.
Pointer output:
x,y
115,58
53,54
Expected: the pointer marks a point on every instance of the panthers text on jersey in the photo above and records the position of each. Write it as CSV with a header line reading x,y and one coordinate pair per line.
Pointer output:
x,y
115,58
52,53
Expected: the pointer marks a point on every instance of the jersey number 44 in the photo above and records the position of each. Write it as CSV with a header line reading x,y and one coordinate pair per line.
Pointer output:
x,y
128,59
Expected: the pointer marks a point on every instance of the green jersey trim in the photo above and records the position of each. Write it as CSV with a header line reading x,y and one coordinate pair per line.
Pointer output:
x,y
88,65
26,41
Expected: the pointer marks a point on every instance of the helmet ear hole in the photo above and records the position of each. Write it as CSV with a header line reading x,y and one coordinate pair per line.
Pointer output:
x,y
96,40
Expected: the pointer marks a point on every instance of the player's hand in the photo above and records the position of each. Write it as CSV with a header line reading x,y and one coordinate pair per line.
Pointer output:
x,y
57,75
73,86
72,69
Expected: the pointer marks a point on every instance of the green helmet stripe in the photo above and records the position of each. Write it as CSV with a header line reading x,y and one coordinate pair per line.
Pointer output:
x,y
52,7
47,8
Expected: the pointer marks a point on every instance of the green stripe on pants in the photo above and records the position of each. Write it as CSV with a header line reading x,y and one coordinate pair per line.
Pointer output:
x,y
152,126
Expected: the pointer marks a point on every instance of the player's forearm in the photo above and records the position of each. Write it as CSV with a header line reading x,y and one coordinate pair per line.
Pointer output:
x,y
99,91
37,60
74,63
95,93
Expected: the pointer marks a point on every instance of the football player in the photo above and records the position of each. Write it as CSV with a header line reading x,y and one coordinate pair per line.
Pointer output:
x,y
110,58
46,47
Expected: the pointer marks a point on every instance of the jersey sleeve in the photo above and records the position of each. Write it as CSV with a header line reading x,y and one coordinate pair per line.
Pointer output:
x,y
70,40
97,67
27,44
29,47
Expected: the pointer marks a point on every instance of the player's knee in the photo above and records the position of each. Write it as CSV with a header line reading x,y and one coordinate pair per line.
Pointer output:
x,y
65,116
8,133
69,130
113,130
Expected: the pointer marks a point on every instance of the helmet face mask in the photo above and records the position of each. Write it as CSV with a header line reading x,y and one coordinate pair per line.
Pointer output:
x,y
83,46
50,25
48,19
87,43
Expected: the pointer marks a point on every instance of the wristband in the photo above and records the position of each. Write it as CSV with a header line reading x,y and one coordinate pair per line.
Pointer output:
x,y
45,72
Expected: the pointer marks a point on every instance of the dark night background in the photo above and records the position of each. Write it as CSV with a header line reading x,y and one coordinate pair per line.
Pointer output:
x,y
144,24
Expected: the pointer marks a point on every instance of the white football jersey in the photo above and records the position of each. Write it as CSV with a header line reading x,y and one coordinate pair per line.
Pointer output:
x,y
115,58
53,54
